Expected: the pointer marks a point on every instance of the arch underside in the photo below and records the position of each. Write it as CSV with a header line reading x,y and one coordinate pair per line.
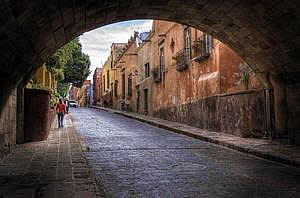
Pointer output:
x,y
266,34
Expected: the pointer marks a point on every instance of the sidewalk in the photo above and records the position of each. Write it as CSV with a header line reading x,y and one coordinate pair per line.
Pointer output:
x,y
271,150
53,168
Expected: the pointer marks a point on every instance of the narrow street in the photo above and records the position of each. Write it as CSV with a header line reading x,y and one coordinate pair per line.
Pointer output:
x,y
134,159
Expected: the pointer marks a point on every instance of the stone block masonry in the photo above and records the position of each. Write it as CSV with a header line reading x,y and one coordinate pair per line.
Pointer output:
x,y
8,123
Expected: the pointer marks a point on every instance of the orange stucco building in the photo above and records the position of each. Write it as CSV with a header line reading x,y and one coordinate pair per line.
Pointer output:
x,y
178,73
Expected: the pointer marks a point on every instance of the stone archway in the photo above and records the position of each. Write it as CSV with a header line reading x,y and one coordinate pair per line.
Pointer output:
x,y
264,33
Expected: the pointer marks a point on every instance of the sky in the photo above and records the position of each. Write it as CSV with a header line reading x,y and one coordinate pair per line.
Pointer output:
x,y
96,43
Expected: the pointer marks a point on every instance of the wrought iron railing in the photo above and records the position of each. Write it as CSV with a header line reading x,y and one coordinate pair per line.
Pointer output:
x,y
202,49
182,59
156,74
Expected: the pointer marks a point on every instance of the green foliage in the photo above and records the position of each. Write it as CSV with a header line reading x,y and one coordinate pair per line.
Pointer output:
x,y
77,70
60,74
70,64
62,89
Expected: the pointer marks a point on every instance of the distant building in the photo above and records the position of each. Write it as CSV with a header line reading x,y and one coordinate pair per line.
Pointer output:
x,y
97,87
109,74
143,75
89,93
73,93
84,95
124,95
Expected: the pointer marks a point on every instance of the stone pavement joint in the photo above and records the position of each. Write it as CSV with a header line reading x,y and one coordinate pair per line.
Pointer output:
x,y
268,149
53,168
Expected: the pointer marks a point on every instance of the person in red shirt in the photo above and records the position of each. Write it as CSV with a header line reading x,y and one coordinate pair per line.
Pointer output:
x,y
61,110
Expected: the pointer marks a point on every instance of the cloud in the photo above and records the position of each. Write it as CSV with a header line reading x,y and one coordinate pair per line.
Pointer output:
x,y
96,43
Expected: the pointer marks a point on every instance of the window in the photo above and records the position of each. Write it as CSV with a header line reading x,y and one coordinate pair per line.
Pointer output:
x,y
137,99
208,43
147,70
107,79
129,85
162,60
187,43
116,88
146,101
104,84
123,86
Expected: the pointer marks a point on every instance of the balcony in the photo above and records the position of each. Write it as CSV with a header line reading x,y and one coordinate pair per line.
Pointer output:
x,y
201,50
182,60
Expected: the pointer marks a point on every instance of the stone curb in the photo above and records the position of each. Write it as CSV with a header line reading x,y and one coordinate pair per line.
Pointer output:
x,y
99,193
214,139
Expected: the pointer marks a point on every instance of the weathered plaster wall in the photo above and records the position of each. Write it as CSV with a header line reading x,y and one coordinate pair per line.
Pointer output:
x,y
230,66
209,93
240,114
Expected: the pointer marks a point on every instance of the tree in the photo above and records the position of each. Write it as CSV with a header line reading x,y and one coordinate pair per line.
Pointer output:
x,y
70,64
77,69
62,89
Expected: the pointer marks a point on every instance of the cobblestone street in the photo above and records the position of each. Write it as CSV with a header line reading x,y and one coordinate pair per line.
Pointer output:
x,y
134,159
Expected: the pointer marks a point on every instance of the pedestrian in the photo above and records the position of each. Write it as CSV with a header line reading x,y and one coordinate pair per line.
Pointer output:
x,y
67,105
61,110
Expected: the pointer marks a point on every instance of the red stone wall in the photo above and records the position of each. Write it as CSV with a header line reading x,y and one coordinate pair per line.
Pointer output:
x,y
37,115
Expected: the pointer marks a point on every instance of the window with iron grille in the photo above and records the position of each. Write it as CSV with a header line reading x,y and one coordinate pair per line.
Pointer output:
x,y
147,70
123,86
162,61
203,47
187,43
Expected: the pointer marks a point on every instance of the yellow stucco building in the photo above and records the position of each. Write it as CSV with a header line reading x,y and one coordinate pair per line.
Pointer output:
x,y
44,78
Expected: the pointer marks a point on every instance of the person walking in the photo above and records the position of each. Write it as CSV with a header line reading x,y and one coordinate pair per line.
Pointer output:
x,y
67,105
61,110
